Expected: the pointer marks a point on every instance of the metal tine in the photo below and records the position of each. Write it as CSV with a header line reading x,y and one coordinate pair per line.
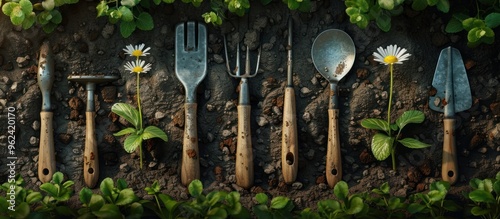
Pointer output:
x,y
237,69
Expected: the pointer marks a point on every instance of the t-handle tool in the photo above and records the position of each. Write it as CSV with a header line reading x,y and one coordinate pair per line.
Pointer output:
x,y
244,157
90,154
46,160
289,141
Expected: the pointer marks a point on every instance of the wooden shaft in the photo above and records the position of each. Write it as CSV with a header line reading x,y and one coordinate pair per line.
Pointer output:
x,y
289,141
46,158
449,168
244,154
333,158
90,154
190,168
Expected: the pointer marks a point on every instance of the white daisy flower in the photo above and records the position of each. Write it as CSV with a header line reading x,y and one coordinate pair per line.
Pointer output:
x,y
138,66
391,55
136,50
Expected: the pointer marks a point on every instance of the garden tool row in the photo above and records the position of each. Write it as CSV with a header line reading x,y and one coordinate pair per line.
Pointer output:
x,y
191,69
452,95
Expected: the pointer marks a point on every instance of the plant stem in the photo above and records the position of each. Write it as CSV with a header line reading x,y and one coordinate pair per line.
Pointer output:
x,y
138,93
393,147
158,203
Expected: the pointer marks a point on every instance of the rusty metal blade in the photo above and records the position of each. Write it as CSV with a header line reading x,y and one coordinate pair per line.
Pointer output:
x,y
451,84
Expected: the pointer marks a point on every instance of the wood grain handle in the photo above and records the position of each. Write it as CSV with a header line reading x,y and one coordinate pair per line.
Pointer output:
x,y
449,168
244,154
190,168
333,158
289,140
46,157
90,154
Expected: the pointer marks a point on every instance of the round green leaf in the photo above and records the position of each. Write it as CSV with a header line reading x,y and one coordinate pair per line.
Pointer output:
x,y
144,21
33,197
85,195
26,6
195,188
381,146
478,211
125,197
48,5
56,17
261,198
107,186
154,132
217,213
443,6
279,202
29,20
355,205
108,211
454,26
126,29
8,7
383,21
17,16
341,190
96,202
126,13
386,4
419,5
481,196
132,142
474,34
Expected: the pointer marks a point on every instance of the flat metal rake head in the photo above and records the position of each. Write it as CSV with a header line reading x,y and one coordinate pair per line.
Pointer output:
x,y
237,70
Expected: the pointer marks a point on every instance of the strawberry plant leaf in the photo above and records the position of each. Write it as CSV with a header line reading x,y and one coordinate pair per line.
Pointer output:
x,y
124,110
413,143
381,146
132,142
376,124
410,116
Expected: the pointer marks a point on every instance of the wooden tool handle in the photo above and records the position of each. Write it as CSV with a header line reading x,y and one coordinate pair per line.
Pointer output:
x,y
244,154
449,168
90,154
289,141
190,168
333,159
46,158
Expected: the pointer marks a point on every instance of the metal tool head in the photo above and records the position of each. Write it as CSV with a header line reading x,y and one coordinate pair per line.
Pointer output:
x,y
333,54
46,74
451,84
237,70
96,79
190,56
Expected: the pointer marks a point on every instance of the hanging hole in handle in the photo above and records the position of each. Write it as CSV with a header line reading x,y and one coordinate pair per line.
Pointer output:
x,y
334,172
451,173
289,158
45,171
91,170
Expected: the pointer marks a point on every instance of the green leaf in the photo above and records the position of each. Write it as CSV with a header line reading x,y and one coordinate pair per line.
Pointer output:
x,y
261,198
413,143
132,142
195,188
450,205
26,6
356,205
136,209
154,132
471,23
492,20
381,146
419,5
432,2
48,5
125,131
377,124
481,196
121,184
127,28
341,190
129,3
126,13
21,211
383,21
57,178
488,185
85,196
443,6
56,17
125,197
96,202
102,8
29,20
415,208
17,16
386,4
436,195
144,21
217,213
33,197
475,34
410,116
157,2
478,211
279,202
8,7
496,187
50,189
454,26
169,1
125,110
108,211
107,186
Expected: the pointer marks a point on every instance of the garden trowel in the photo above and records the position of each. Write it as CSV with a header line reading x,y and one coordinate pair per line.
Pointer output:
x,y
452,95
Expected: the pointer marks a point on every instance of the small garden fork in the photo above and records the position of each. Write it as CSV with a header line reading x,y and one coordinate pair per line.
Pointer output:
x,y
244,154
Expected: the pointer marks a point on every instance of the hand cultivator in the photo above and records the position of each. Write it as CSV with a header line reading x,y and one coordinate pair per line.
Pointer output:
x,y
244,154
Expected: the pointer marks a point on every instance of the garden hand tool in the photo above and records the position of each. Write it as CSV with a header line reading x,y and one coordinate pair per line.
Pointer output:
x,y
46,160
90,154
453,95
333,54
244,157
289,142
191,69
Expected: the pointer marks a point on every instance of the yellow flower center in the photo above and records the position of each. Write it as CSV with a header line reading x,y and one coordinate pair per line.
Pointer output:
x,y
137,69
137,53
390,59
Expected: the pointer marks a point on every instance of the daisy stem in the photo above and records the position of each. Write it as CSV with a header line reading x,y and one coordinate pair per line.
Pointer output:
x,y
393,148
140,112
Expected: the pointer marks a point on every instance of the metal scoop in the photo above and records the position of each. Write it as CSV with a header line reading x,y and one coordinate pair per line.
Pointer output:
x,y
90,154
333,54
